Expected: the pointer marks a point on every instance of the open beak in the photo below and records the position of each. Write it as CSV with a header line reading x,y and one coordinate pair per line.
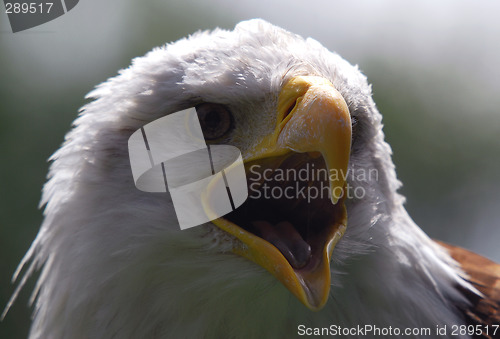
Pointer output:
x,y
294,238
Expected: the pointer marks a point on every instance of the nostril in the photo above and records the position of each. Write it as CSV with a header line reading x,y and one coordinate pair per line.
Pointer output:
x,y
290,109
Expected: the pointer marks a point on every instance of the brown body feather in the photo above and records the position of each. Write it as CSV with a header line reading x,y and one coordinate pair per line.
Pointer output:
x,y
484,275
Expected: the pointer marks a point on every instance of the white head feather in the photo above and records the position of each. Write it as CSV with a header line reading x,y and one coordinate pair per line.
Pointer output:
x,y
115,263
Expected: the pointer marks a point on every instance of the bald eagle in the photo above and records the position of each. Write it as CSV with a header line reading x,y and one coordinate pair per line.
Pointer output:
x,y
115,264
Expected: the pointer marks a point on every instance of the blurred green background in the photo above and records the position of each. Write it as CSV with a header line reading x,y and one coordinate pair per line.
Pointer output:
x,y
434,69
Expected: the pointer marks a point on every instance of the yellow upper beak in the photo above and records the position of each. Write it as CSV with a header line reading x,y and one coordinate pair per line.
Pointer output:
x,y
319,122
313,117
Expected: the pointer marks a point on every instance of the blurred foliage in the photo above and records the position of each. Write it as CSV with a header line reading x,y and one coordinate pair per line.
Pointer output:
x,y
448,162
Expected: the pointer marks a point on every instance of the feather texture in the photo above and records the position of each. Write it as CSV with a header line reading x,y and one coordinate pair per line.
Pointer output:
x,y
483,274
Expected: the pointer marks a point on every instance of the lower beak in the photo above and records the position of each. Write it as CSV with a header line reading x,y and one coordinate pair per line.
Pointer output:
x,y
312,117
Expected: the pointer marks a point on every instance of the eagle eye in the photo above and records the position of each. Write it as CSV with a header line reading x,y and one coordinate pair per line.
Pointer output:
x,y
215,120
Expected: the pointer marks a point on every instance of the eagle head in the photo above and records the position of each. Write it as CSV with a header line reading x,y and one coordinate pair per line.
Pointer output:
x,y
323,225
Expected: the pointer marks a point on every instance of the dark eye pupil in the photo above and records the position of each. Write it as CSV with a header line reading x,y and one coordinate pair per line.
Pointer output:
x,y
212,119
215,120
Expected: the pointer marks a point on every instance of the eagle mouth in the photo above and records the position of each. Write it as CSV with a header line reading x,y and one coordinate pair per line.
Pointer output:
x,y
291,235
289,206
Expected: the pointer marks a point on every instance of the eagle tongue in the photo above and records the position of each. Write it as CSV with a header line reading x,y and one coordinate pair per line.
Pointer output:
x,y
287,240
